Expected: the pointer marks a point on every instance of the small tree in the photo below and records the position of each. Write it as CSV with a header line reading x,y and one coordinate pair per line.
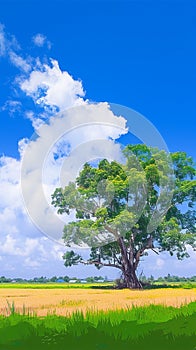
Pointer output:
x,y
90,279
98,278
66,278
53,279
122,210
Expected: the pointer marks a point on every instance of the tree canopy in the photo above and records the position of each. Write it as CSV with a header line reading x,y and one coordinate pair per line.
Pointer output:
x,y
123,210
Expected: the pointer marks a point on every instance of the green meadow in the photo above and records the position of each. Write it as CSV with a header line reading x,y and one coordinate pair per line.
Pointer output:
x,y
148,327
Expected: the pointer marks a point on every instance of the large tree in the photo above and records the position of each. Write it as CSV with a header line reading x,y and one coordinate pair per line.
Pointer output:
x,y
124,210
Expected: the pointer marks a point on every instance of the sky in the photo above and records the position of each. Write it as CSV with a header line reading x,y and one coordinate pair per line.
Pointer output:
x,y
61,57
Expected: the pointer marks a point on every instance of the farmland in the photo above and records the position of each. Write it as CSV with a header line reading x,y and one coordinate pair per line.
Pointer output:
x,y
61,316
64,299
151,327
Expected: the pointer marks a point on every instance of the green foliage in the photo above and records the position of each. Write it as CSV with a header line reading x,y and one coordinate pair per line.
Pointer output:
x,y
71,258
3,279
146,203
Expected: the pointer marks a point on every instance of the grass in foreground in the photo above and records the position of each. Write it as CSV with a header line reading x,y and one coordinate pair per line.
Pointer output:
x,y
150,327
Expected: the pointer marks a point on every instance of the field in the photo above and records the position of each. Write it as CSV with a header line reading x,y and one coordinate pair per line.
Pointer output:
x,y
91,318
65,299
150,328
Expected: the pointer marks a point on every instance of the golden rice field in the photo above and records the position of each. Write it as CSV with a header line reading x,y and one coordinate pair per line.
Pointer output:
x,y
66,301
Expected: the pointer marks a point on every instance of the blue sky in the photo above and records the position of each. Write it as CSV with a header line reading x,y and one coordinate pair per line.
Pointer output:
x,y
140,54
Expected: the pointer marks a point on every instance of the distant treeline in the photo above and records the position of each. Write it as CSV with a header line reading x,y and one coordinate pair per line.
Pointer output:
x,y
54,279
92,279
168,278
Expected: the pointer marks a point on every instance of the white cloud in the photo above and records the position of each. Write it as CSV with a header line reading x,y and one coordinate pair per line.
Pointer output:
x,y
8,247
49,87
31,263
41,171
55,90
164,264
36,121
9,177
12,106
19,62
8,43
52,88
8,219
40,40
21,243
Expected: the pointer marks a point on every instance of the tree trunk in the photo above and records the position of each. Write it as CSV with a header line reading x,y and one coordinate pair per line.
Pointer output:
x,y
128,269
130,278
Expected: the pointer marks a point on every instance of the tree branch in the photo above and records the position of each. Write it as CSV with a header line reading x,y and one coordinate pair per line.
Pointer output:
x,y
86,210
137,258
96,262
154,251
149,245
117,259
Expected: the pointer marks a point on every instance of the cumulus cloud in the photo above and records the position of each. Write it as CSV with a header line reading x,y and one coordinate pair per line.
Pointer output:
x,y
52,88
83,134
22,246
24,251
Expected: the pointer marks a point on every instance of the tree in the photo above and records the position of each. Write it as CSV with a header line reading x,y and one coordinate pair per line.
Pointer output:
x,y
125,210
98,278
4,279
90,279
53,279
66,278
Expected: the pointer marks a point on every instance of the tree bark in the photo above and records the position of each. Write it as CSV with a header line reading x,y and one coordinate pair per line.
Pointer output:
x,y
130,278
128,269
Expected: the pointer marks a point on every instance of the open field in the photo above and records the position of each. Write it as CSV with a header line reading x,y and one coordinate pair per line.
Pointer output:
x,y
103,285
149,327
66,301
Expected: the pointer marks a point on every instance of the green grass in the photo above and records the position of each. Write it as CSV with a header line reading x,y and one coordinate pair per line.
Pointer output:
x,y
148,327
105,285
184,285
